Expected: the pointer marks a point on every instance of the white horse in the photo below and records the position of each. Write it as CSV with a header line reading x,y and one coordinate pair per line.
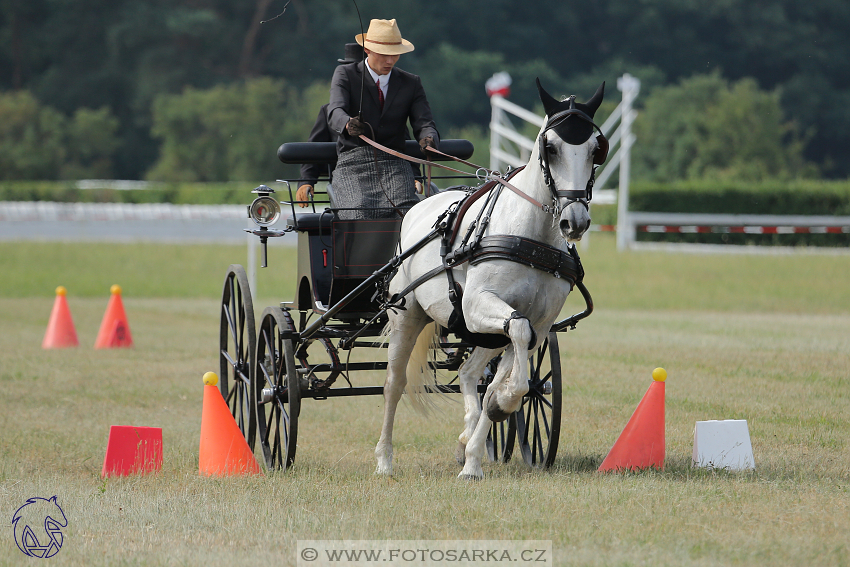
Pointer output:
x,y
500,297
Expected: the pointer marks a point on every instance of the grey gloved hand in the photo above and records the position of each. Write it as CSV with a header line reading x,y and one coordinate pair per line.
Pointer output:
x,y
355,127
427,141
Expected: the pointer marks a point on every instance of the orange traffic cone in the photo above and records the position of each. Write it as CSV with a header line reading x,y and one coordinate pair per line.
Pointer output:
x,y
114,329
60,328
223,450
641,444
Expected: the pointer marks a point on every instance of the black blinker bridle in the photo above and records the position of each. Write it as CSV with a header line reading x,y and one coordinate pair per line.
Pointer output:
x,y
599,156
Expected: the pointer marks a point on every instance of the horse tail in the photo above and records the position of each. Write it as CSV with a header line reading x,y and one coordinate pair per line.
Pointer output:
x,y
420,375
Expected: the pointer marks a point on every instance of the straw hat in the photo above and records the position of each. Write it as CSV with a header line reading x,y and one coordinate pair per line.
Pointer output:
x,y
384,38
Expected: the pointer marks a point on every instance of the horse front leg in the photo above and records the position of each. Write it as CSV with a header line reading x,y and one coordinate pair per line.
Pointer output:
x,y
405,328
504,394
487,313
469,375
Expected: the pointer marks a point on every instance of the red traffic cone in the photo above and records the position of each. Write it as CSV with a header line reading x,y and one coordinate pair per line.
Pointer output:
x,y
114,329
641,444
132,450
223,449
60,328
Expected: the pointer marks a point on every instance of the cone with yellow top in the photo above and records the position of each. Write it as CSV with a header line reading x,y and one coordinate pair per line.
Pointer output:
x,y
114,329
223,450
641,444
60,328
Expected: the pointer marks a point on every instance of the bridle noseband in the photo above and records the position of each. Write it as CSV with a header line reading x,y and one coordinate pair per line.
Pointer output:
x,y
581,195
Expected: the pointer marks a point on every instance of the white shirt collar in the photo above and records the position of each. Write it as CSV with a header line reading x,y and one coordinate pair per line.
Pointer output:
x,y
385,79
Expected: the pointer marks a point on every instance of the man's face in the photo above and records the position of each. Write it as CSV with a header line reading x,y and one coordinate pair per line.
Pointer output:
x,y
381,64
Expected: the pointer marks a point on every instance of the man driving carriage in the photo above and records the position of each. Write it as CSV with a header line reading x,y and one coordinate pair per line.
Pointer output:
x,y
311,172
369,183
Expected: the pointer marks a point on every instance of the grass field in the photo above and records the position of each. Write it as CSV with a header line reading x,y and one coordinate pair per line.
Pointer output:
x,y
761,338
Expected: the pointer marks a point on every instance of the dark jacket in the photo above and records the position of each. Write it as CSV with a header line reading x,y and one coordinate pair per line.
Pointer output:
x,y
321,132
405,101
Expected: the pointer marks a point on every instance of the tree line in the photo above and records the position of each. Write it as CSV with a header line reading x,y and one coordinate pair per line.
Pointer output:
x,y
203,90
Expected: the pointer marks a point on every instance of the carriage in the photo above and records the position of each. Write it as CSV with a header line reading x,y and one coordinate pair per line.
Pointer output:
x,y
311,348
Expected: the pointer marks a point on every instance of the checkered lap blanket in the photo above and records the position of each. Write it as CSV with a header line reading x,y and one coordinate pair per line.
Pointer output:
x,y
374,189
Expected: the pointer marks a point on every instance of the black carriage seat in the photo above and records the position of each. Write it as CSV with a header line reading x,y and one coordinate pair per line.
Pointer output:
x,y
360,247
315,259
335,256
305,222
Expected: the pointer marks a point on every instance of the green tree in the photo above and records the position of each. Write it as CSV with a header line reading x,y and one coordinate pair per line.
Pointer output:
x,y
39,142
30,138
229,132
705,127
91,141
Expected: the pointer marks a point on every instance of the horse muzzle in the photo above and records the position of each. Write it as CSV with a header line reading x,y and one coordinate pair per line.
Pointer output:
x,y
574,229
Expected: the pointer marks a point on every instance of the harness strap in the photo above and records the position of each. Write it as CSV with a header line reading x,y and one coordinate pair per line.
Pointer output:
x,y
417,282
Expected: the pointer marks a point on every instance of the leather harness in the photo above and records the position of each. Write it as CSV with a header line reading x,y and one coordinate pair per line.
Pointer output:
x,y
476,248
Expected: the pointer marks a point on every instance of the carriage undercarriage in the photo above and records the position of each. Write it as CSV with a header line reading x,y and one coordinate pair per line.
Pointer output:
x,y
303,349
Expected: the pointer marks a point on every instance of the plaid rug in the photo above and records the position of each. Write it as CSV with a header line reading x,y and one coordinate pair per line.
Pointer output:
x,y
374,190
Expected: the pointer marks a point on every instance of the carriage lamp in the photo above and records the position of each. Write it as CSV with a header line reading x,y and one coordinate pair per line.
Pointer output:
x,y
264,211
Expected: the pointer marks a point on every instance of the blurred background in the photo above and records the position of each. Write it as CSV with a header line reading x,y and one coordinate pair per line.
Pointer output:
x,y
202,91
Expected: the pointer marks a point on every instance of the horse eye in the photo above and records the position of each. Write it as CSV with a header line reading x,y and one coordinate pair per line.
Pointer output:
x,y
552,150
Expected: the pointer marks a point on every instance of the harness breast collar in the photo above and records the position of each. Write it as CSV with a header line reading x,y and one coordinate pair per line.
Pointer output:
x,y
476,247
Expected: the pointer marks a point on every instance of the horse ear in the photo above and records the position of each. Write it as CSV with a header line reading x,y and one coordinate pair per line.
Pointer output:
x,y
596,99
549,103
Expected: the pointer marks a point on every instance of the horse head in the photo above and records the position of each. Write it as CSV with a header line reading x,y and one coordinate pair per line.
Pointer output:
x,y
568,153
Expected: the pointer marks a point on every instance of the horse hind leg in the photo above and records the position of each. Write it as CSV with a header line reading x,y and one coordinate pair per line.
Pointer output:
x,y
476,445
405,328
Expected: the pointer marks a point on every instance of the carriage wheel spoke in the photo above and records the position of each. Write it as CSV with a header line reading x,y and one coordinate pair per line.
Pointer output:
x,y
541,398
546,421
537,436
285,417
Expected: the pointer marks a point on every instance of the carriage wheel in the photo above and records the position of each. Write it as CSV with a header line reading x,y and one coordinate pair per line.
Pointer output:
x,y
277,395
501,439
237,345
502,435
538,421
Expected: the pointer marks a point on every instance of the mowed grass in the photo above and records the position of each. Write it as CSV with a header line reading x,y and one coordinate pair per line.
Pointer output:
x,y
761,338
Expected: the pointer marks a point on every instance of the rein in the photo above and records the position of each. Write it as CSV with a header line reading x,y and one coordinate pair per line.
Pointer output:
x,y
491,175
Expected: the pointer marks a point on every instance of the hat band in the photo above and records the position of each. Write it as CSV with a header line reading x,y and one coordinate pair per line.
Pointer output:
x,y
383,42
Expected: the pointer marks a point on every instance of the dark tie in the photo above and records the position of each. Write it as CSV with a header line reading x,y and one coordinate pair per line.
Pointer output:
x,y
380,94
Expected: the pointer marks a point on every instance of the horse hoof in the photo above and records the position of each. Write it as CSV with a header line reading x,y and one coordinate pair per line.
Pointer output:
x,y
469,477
496,414
460,454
